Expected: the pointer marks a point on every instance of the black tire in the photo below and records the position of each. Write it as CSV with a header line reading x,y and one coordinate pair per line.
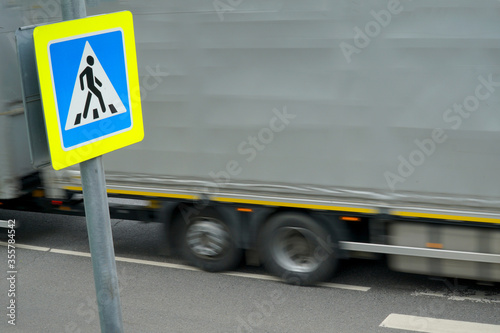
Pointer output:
x,y
208,243
297,249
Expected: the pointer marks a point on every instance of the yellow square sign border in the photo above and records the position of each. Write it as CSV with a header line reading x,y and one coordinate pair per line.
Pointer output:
x,y
43,37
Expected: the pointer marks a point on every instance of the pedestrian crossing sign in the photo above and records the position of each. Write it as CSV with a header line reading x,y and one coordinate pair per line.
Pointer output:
x,y
89,84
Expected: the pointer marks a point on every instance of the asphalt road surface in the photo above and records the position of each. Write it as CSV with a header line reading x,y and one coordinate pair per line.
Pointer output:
x,y
54,290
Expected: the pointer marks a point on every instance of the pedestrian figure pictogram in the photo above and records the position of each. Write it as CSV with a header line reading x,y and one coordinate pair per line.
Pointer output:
x,y
93,91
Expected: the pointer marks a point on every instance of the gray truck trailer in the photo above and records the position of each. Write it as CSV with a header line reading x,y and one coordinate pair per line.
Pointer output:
x,y
305,130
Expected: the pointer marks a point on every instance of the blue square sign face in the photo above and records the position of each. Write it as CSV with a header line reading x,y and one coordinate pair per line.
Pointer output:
x,y
89,75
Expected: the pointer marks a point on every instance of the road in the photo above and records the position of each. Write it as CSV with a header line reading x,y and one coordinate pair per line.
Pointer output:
x,y
55,290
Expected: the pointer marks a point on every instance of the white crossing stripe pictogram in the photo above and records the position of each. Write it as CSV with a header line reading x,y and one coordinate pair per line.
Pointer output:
x,y
94,97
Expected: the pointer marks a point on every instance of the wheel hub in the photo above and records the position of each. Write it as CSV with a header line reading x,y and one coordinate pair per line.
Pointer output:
x,y
207,238
295,249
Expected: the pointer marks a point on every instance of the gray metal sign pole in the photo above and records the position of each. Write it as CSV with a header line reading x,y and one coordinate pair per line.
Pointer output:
x,y
98,221
101,245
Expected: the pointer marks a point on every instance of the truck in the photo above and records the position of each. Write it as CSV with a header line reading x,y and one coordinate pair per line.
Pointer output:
x,y
307,132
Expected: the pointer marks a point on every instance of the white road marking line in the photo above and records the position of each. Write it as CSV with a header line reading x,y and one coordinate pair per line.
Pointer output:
x,y
182,267
274,278
157,263
344,286
27,247
479,296
253,276
70,253
434,325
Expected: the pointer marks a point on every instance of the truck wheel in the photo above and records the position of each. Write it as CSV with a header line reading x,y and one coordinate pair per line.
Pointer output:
x,y
298,249
208,243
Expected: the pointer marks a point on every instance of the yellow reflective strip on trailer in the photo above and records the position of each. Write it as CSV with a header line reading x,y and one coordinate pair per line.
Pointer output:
x,y
446,217
296,205
140,193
